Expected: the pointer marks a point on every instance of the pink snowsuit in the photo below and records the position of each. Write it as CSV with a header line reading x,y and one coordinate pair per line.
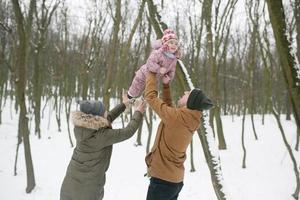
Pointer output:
x,y
157,59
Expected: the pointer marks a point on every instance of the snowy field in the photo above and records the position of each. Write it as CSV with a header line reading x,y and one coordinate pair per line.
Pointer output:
x,y
269,174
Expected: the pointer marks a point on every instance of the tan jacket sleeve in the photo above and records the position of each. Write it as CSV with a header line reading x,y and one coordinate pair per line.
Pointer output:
x,y
160,107
167,94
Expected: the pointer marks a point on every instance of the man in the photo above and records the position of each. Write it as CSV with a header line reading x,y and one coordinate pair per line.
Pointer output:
x,y
165,162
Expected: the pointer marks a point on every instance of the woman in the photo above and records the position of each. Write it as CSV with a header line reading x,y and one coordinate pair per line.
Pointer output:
x,y
85,176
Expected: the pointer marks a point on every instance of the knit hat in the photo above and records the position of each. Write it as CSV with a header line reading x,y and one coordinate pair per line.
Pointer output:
x,y
168,35
197,100
92,107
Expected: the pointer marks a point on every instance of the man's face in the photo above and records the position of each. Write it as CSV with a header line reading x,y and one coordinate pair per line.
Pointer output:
x,y
173,45
183,99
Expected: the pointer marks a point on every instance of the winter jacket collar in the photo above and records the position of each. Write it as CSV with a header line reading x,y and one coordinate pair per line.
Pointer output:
x,y
190,118
169,55
84,120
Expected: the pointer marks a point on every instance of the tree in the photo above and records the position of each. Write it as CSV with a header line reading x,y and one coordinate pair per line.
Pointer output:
x,y
215,55
277,116
288,64
23,31
112,55
125,50
6,38
297,16
43,19
253,13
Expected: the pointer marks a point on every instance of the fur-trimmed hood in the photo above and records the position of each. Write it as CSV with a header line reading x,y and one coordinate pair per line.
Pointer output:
x,y
89,121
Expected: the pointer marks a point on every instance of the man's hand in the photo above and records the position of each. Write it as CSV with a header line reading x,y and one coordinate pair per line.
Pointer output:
x,y
141,106
166,79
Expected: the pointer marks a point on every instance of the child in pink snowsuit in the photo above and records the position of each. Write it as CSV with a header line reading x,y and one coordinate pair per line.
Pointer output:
x,y
161,61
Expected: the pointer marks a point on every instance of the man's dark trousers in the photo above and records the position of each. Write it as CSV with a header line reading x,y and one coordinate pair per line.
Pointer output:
x,y
163,190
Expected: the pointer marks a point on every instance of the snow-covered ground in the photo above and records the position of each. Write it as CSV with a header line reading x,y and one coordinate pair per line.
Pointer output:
x,y
269,174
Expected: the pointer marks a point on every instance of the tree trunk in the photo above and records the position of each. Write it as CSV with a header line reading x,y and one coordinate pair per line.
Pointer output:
x,y
112,57
254,18
124,61
297,17
225,90
243,138
288,108
298,138
155,21
290,151
192,157
43,20
277,17
17,153
3,74
277,117
57,107
21,87
85,83
1,97
37,90
214,112
213,162
85,68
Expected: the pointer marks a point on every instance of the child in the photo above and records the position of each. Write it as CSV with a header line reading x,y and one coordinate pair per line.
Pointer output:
x,y
161,61
85,176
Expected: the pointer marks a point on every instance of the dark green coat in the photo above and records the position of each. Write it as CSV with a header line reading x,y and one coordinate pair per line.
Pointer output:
x,y
85,176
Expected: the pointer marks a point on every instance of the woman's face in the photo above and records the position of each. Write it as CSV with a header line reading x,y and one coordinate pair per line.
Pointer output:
x,y
173,45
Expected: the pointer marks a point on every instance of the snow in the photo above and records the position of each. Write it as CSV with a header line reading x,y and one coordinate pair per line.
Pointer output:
x,y
293,49
186,74
269,173
209,135
296,65
216,157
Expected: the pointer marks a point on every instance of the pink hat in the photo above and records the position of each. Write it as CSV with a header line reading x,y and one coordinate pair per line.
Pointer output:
x,y
168,35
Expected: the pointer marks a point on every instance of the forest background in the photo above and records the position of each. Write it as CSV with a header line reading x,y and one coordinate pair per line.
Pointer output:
x,y
243,54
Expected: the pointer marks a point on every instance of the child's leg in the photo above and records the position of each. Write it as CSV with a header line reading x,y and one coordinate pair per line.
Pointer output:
x,y
137,85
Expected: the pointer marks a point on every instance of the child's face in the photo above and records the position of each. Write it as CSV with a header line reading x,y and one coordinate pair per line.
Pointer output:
x,y
173,45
